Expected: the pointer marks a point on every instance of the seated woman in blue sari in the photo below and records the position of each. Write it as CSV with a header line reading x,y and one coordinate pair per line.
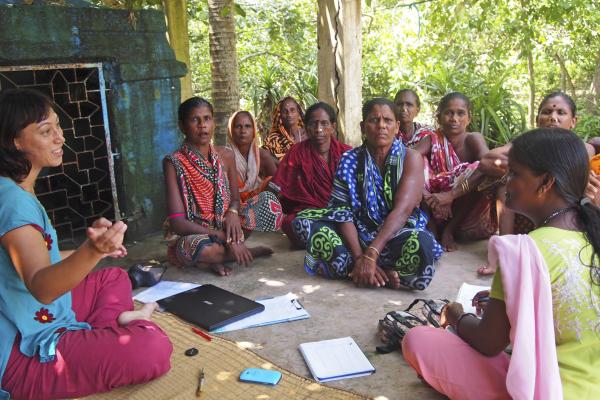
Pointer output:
x,y
372,230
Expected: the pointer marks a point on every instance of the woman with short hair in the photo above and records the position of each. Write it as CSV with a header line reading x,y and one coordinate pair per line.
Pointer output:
x,y
62,324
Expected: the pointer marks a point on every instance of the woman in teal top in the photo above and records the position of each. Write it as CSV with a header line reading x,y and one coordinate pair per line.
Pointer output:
x,y
62,326
548,174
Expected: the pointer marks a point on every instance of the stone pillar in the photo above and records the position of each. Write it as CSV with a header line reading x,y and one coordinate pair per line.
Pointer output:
x,y
339,63
177,24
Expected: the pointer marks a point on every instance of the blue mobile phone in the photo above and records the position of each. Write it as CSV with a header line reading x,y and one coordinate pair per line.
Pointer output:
x,y
257,375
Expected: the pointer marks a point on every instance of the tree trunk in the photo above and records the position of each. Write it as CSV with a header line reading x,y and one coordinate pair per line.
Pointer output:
x,y
566,81
531,73
223,64
527,51
595,89
177,23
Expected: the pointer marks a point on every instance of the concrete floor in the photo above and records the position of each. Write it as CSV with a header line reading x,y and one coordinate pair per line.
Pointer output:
x,y
337,308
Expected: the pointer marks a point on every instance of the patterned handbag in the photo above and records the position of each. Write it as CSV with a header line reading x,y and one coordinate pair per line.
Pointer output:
x,y
395,324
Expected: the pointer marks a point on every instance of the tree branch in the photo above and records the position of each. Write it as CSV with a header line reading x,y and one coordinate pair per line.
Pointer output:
x,y
415,3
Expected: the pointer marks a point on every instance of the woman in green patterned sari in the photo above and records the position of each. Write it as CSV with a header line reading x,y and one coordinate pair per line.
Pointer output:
x,y
372,230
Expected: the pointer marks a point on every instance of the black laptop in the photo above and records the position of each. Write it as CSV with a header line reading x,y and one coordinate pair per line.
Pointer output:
x,y
210,307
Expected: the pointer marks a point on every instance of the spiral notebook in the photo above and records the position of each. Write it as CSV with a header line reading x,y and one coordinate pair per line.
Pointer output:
x,y
334,359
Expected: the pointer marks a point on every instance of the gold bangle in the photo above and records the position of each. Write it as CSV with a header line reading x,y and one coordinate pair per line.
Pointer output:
x,y
369,258
375,250
233,210
464,187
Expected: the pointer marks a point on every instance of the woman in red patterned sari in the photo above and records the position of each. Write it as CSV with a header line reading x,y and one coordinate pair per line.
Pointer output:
x,y
452,176
206,221
304,178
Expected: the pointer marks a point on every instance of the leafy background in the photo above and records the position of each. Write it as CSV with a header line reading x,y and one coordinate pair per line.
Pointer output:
x,y
504,54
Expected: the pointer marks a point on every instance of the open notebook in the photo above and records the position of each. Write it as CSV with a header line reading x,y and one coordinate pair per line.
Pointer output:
x,y
334,359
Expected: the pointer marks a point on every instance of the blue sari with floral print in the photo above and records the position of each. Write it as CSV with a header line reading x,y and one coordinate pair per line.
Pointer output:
x,y
363,196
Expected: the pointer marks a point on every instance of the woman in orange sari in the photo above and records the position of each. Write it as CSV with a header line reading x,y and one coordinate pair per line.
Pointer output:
x,y
255,166
287,128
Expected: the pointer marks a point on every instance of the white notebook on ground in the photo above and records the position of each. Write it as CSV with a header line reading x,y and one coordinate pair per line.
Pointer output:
x,y
329,360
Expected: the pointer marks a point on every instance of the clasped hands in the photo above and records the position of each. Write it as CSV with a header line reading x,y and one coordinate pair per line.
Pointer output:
x,y
366,272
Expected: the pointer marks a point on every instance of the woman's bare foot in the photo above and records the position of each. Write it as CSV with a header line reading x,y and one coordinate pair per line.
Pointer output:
x,y
260,251
220,269
486,270
447,240
393,279
145,313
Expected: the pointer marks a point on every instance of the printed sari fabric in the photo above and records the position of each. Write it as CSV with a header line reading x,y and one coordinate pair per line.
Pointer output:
x,y
362,196
444,171
249,181
304,180
420,131
279,140
205,192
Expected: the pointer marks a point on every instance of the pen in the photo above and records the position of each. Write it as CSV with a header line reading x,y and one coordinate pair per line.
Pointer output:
x,y
200,333
200,383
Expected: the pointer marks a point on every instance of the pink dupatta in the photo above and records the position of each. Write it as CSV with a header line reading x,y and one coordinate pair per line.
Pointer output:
x,y
533,370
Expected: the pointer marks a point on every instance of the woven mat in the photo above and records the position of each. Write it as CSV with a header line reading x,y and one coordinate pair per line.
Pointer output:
x,y
222,360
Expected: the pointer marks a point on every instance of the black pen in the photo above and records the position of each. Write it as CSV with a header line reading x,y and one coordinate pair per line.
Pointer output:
x,y
200,383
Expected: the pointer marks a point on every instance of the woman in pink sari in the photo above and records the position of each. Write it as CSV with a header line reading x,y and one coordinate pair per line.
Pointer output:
x,y
451,176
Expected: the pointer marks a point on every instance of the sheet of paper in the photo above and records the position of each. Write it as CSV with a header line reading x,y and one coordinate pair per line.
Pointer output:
x,y
277,309
163,289
466,294
335,359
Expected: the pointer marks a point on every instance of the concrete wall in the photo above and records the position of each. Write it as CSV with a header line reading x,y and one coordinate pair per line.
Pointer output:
x,y
143,76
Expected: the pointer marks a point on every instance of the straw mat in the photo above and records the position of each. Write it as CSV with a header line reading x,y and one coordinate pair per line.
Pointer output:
x,y
222,360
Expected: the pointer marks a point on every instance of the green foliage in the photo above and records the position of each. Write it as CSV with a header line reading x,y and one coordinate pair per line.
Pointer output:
x,y
128,4
480,48
276,44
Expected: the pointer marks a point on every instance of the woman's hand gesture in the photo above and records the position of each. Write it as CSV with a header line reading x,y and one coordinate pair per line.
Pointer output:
x,y
106,238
